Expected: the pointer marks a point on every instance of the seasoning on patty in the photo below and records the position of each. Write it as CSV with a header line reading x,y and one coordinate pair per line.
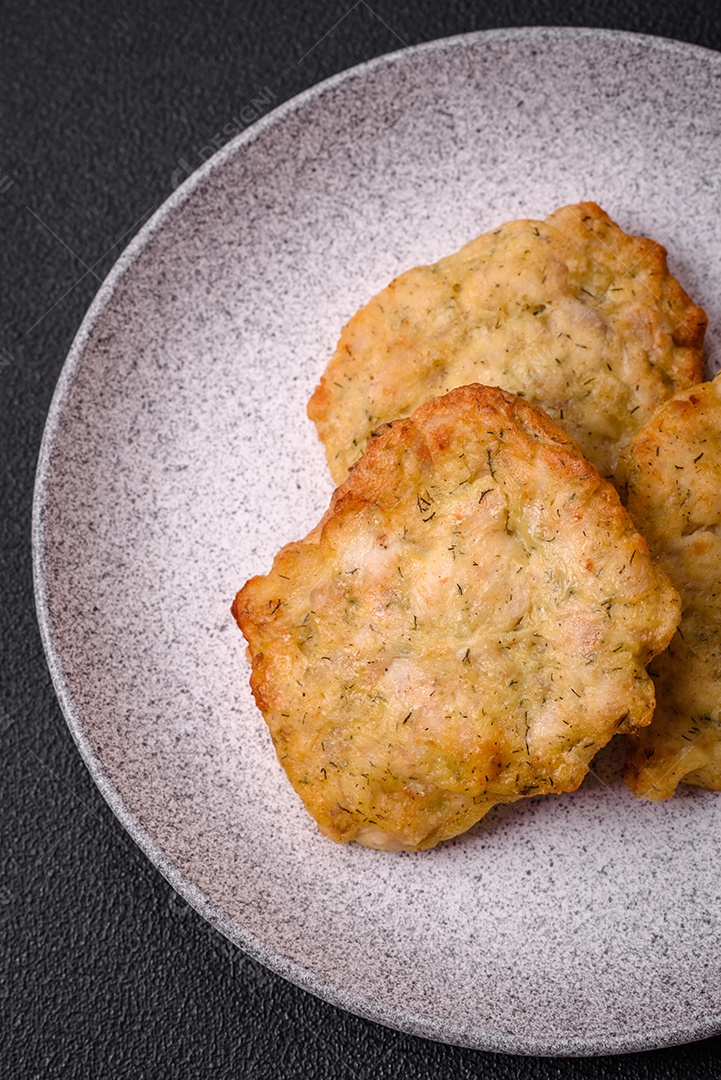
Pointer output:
x,y
672,472
571,313
467,625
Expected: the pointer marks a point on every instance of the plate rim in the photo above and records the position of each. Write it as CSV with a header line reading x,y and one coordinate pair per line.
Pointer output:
x,y
414,1024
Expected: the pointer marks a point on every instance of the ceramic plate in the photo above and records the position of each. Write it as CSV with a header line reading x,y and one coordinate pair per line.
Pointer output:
x,y
178,458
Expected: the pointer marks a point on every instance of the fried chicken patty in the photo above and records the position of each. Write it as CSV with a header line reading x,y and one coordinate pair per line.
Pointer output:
x,y
570,313
672,471
467,625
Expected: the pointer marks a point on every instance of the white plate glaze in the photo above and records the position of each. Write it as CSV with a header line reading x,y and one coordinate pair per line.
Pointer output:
x,y
177,459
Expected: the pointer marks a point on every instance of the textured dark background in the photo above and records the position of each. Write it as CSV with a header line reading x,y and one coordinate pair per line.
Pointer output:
x,y
106,972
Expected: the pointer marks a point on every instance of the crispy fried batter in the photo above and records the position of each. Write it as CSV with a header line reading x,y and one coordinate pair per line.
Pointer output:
x,y
570,313
468,624
672,470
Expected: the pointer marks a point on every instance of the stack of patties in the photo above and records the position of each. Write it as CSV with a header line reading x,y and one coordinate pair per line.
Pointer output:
x,y
470,621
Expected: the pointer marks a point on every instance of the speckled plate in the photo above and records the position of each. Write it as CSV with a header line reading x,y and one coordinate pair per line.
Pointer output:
x,y
178,458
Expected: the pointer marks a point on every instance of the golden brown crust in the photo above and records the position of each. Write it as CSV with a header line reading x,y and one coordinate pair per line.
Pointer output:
x,y
570,313
468,624
672,475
